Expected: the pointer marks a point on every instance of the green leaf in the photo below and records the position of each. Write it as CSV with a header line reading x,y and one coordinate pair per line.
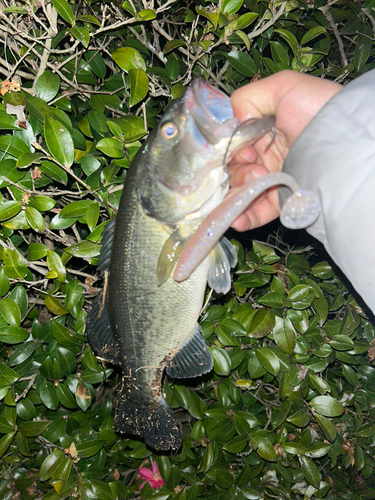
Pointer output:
x,y
13,146
96,63
298,293
48,85
231,6
35,219
264,448
111,147
128,58
81,34
323,271
146,15
268,360
242,63
342,343
76,209
5,442
86,18
318,383
15,10
236,444
273,299
50,464
92,215
7,375
284,335
300,419
22,352
311,34
173,44
54,263
211,14
290,39
65,10
63,335
222,363
138,80
310,471
245,20
362,51
350,375
279,53
262,323
54,305
14,266
42,203
10,312
12,334
293,448
59,142
7,122
85,250
90,448
318,450
9,209
132,127
327,406
4,282
54,172
32,429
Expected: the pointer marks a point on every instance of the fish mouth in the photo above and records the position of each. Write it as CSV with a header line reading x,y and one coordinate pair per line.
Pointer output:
x,y
211,111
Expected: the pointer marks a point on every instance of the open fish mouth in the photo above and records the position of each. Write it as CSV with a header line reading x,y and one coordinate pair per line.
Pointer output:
x,y
211,111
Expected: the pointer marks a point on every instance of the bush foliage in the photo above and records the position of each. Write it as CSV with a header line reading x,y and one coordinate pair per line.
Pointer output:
x,y
288,412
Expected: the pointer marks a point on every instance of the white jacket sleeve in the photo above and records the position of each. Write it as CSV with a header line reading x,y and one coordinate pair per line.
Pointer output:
x,y
335,158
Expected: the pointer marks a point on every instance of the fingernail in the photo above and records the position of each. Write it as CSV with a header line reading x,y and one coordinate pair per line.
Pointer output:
x,y
251,176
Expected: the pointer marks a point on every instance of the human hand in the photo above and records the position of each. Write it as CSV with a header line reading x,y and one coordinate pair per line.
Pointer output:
x,y
294,98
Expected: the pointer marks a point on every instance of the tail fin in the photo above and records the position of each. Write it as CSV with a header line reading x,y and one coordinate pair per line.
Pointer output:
x,y
153,420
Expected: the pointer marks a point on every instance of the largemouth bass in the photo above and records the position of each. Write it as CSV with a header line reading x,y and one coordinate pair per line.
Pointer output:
x,y
144,320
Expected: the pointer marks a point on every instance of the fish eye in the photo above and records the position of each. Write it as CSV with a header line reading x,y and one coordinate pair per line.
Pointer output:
x,y
169,130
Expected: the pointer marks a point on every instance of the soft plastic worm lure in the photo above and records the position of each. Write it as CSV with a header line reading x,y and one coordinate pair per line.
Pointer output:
x,y
299,211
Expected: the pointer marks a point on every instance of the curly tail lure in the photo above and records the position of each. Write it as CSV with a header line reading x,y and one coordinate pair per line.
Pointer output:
x,y
299,211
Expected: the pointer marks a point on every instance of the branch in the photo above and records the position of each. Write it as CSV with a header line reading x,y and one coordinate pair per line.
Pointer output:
x,y
333,25
270,23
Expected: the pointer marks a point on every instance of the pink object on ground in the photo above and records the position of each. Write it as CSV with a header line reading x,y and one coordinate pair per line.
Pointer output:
x,y
151,476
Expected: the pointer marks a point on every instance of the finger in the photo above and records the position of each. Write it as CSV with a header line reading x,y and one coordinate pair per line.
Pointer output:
x,y
243,174
245,155
264,210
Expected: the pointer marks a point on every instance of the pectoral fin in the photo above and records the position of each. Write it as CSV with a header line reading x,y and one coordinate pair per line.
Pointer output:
x,y
222,258
169,255
193,358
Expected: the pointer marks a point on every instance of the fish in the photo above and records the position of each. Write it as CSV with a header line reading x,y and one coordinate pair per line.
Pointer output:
x,y
144,320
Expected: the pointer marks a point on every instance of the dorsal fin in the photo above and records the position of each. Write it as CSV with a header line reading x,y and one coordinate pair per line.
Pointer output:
x,y
99,332
107,242
223,257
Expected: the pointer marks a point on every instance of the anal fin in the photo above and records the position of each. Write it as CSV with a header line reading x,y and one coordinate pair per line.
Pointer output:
x,y
193,358
99,332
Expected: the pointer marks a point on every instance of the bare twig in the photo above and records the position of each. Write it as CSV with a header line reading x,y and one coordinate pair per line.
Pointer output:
x,y
328,16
